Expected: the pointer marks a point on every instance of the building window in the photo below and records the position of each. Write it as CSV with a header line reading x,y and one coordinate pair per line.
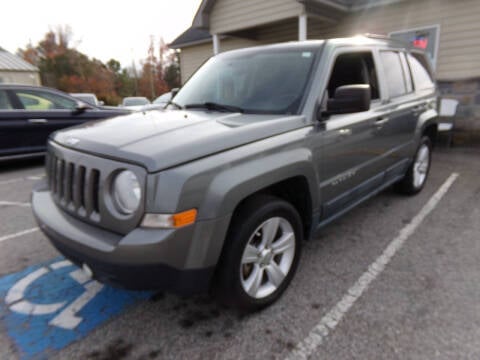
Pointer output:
x,y
425,38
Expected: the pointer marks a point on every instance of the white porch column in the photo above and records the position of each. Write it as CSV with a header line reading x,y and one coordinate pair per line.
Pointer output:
x,y
302,27
216,44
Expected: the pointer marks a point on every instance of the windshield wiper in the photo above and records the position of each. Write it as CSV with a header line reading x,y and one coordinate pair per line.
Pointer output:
x,y
171,102
215,106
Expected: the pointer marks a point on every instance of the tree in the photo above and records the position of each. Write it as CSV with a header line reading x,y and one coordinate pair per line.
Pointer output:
x,y
114,66
151,82
172,72
62,66
67,69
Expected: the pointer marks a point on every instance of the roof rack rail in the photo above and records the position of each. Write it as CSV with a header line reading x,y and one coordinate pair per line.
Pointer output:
x,y
384,37
387,38
377,36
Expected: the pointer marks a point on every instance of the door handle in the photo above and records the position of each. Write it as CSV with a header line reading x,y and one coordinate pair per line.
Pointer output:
x,y
37,121
345,132
381,120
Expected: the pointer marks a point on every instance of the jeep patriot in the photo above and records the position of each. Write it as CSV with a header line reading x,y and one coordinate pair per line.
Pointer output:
x,y
257,151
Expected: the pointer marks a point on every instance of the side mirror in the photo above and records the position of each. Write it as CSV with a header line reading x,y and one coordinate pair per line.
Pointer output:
x,y
174,92
350,99
101,102
80,108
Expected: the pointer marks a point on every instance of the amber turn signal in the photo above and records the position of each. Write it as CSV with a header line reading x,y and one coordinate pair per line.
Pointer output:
x,y
185,218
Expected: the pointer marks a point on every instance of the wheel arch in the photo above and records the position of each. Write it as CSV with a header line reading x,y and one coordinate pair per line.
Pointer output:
x,y
430,130
428,125
296,191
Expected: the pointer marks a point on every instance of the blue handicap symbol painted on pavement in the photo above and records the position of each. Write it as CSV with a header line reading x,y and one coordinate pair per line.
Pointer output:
x,y
45,307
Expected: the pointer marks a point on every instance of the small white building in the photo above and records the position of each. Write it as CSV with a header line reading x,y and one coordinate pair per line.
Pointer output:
x,y
14,70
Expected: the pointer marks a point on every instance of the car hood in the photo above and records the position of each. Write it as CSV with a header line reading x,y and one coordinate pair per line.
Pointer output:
x,y
161,139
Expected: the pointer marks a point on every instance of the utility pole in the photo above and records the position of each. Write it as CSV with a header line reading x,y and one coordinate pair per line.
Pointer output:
x,y
151,60
134,74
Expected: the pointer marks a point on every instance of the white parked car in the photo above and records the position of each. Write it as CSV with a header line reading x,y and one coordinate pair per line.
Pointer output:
x,y
163,99
135,102
88,98
159,103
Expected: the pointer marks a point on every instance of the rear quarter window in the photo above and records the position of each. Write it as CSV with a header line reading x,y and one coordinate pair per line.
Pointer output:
x,y
422,77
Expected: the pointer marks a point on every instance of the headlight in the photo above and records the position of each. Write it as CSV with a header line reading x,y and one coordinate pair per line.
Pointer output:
x,y
127,192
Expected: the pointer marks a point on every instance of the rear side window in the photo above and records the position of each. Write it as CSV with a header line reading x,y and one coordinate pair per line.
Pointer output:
x,y
420,73
396,81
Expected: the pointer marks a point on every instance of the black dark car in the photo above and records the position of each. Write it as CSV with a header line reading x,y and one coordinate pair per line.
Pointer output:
x,y
28,114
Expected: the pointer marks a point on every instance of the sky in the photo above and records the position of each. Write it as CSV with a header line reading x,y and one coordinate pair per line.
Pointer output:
x,y
103,29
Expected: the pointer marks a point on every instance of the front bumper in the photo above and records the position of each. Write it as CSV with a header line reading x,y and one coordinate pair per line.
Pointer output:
x,y
178,260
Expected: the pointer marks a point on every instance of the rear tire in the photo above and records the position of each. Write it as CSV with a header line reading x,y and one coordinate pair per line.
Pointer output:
x,y
260,254
417,173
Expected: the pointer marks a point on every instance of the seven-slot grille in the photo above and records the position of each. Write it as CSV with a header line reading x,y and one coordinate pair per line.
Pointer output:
x,y
74,187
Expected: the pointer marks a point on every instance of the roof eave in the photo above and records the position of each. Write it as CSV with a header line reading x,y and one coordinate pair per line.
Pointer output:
x,y
190,43
202,16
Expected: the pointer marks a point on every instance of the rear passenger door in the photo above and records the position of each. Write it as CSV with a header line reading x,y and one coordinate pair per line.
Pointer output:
x,y
394,133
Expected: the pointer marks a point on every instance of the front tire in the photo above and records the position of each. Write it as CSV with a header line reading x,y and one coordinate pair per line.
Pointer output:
x,y
417,173
261,253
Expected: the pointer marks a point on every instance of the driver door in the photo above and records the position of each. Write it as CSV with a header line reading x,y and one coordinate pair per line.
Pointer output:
x,y
347,157
43,112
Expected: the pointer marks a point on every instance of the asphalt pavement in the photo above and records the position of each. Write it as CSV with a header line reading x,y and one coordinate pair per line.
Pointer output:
x,y
421,302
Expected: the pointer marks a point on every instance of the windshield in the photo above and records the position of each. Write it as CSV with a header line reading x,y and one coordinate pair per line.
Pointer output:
x,y
135,101
269,81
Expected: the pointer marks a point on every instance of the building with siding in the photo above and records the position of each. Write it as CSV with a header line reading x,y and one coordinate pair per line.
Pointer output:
x,y
14,70
448,30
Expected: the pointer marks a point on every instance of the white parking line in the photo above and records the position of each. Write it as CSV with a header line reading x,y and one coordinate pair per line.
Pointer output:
x,y
319,333
31,178
14,203
20,233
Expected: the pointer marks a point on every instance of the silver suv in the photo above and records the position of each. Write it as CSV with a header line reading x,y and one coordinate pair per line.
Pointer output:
x,y
260,148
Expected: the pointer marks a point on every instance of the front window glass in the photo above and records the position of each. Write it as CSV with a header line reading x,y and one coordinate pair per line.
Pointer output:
x,y
354,68
40,100
253,81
